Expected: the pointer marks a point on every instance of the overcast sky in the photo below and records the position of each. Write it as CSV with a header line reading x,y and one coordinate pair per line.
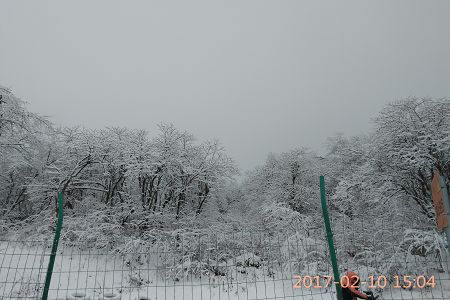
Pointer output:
x,y
261,76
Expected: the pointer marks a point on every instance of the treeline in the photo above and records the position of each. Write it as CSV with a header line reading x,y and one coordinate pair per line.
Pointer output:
x,y
378,184
170,174
121,183
411,139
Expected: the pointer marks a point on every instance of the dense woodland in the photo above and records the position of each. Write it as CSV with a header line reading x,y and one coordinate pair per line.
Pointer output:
x,y
121,184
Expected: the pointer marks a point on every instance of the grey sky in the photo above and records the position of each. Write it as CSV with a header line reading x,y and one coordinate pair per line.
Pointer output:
x,y
260,76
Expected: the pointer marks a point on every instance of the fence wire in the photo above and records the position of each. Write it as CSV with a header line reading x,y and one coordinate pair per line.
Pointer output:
x,y
188,266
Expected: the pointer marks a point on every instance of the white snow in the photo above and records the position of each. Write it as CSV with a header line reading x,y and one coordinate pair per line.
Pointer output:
x,y
91,273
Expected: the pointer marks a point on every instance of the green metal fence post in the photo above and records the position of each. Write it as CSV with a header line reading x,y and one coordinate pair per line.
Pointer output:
x,y
51,263
326,219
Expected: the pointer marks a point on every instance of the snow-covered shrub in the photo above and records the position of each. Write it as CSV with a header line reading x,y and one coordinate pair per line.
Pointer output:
x,y
419,252
306,253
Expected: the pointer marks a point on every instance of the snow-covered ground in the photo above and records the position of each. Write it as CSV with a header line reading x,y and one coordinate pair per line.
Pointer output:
x,y
92,273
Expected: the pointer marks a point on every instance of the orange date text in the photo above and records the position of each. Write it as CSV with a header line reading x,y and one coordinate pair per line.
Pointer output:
x,y
373,282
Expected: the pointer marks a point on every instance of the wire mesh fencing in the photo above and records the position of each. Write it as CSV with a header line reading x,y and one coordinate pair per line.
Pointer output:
x,y
245,265
397,263
23,268
239,265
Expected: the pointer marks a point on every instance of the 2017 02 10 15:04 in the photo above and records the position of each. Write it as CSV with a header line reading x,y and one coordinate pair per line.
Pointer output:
x,y
381,281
